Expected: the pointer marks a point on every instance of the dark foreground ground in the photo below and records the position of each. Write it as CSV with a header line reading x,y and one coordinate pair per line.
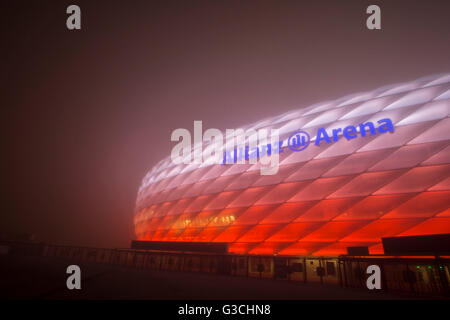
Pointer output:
x,y
45,278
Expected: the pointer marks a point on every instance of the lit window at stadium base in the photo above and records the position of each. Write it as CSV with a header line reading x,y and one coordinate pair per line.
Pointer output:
x,y
326,197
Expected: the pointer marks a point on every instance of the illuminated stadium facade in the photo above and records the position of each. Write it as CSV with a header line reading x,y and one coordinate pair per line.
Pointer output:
x,y
325,198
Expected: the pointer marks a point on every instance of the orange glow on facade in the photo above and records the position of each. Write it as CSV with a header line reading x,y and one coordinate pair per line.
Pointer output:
x,y
325,198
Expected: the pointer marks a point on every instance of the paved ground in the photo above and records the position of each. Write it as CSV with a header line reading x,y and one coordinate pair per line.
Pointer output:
x,y
45,278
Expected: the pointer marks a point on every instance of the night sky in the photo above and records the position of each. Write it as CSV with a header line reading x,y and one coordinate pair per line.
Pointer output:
x,y
86,113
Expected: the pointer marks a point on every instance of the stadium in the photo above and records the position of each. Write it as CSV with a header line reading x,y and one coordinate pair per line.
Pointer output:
x,y
323,199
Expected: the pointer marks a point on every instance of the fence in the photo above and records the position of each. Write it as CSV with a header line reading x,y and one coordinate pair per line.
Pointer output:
x,y
412,275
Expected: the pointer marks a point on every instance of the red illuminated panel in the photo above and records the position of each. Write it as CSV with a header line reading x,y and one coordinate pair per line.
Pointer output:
x,y
376,249
226,217
430,226
358,162
154,209
195,175
304,155
344,146
178,193
160,196
221,200
163,209
283,172
151,212
240,248
248,197
148,200
154,223
140,215
159,235
439,158
446,213
219,184
408,156
259,233
288,212
172,234
313,169
204,218
182,221
189,234
281,156
399,137
327,209
302,248
423,205
373,207
320,188
179,206
167,222
199,203
208,234
416,179
281,193
140,229
377,229
196,189
333,231
269,247
177,180
232,233
294,231
147,236
243,181
438,132
255,214
365,184
443,185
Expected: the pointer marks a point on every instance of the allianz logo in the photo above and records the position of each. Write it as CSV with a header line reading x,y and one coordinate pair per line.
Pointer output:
x,y
300,139
264,145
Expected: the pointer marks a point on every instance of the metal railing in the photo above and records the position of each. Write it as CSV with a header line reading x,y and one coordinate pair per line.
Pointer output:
x,y
416,276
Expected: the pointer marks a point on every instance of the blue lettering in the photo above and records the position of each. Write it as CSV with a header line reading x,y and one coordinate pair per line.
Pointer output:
x,y
350,132
263,150
227,159
387,126
362,128
277,147
335,134
322,135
